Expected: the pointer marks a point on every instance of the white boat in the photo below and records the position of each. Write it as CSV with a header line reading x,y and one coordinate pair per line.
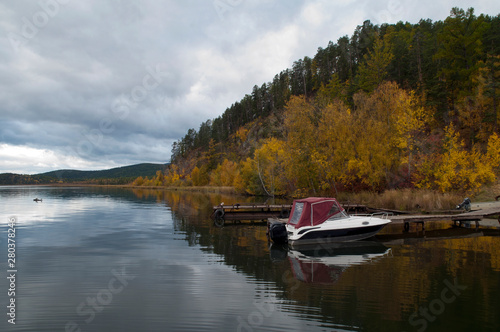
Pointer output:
x,y
316,220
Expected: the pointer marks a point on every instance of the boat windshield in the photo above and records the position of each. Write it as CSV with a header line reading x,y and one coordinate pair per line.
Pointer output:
x,y
333,210
340,215
299,207
336,212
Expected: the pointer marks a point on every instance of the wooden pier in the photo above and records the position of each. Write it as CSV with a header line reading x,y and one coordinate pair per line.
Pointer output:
x,y
458,219
264,211
238,212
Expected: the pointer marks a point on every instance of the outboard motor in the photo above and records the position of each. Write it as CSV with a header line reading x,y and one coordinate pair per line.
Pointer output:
x,y
465,204
277,233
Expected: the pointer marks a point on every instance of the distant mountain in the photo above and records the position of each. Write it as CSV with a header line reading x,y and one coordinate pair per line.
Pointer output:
x,y
118,175
132,171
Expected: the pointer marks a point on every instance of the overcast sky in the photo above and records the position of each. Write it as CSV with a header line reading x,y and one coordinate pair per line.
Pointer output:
x,y
101,84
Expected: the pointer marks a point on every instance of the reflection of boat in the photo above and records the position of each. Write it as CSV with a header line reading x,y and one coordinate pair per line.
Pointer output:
x,y
325,264
315,219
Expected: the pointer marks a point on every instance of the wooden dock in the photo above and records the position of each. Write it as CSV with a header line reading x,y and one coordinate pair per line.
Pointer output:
x,y
458,219
249,212
238,212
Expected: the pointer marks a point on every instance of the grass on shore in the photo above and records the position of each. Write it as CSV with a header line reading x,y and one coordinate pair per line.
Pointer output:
x,y
488,193
416,200
406,200
202,189
421,200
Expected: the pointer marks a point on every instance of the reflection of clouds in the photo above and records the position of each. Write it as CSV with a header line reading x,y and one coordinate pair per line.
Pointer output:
x,y
68,217
69,255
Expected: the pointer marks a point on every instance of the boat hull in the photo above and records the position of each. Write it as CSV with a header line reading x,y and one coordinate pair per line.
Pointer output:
x,y
352,229
339,235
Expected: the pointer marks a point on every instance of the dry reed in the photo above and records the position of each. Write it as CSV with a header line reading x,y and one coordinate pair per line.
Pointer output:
x,y
406,200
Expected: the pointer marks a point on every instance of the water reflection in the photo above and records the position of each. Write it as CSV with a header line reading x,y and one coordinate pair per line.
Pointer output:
x,y
190,275
325,263
376,296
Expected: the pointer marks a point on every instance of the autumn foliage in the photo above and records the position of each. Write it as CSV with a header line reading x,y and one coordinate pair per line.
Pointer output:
x,y
413,106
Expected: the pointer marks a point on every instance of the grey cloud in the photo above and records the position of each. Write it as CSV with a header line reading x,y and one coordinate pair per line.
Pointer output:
x,y
78,70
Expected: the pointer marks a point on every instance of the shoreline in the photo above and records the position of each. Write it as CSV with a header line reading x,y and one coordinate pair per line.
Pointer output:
x,y
209,189
388,200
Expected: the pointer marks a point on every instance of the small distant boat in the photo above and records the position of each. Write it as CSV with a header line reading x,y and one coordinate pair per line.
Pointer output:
x,y
37,199
317,219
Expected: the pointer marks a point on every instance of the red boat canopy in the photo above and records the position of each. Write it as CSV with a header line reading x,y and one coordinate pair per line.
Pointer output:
x,y
313,211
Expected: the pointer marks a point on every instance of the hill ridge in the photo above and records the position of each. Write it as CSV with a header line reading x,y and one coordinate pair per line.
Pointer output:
x,y
116,175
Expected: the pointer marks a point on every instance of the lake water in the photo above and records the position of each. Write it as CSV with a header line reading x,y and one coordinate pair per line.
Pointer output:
x,y
100,259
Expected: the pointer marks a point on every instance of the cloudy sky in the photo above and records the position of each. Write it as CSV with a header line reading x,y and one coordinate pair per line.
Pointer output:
x,y
101,84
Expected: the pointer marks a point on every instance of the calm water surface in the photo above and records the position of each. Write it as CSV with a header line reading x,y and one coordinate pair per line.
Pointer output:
x,y
97,259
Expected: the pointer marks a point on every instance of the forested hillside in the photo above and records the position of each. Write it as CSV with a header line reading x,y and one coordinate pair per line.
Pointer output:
x,y
124,172
394,105
117,175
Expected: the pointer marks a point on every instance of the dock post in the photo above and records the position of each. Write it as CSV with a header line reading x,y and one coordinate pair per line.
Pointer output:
x,y
423,224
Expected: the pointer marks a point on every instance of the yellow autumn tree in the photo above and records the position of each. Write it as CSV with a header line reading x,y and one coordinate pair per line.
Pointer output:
x,y
148,182
224,174
172,177
300,124
247,180
195,175
264,173
377,156
159,179
335,145
410,125
459,169
269,159
138,182
372,154
493,153
199,176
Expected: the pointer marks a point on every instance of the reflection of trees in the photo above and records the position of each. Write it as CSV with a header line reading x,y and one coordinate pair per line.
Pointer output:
x,y
378,295
394,288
